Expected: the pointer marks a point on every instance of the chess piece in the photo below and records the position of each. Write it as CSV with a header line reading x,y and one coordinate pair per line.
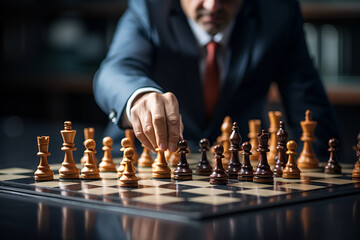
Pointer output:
x,y
204,168
332,166
129,133
263,173
89,133
90,170
183,171
145,159
43,172
246,172
128,178
356,170
161,169
218,175
254,129
307,158
125,143
68,169
226,129
107,164
174,159
274,117
235,147
291,170
281,150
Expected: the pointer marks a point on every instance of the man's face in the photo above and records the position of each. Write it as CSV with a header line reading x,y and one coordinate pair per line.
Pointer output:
x,y
211,15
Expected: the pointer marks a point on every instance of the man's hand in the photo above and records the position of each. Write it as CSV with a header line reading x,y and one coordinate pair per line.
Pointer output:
x,y
156,120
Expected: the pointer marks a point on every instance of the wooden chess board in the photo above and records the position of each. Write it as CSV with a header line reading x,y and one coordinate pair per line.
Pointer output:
x,y
179,200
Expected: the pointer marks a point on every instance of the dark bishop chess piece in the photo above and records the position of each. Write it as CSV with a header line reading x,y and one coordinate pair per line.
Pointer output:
x,y
204,168
43,172
90,170
68,168
219,176
291,170
356,171
235,147
183,171
263,173
281,150
332,166
246,172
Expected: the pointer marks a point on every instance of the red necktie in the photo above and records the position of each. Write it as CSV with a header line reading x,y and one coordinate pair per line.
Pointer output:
x,y
212,79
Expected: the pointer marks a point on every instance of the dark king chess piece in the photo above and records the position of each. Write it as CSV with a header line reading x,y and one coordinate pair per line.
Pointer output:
x,y
68,169
183,171
263,173
43,172
204,168
219,176
235,147
332,166
281,150
246,172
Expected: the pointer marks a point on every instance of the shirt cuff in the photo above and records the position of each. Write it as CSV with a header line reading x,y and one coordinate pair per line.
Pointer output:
x,y
134,95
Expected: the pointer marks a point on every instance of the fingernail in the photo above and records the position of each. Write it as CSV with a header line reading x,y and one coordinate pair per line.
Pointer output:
x,y
172,148
163,147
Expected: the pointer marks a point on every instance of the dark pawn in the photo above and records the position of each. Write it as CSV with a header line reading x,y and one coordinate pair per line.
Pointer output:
x,y
204,168
281,150
219,176
246,172
183,171
332,166
263,173
235,147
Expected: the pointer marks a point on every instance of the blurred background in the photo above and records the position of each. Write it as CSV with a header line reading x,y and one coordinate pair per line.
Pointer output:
x,y
50,51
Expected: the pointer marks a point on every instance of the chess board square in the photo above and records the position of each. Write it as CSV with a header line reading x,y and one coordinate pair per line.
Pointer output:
x,y
319,175
104,182
145,175
286,180
347,170
261,192
207,191
108,175
336,181
197,177
195,183
144,170
152,182
305,170
154,190
214,200
12,177
249,185
158,199
101,190
52,184
301,187
15,170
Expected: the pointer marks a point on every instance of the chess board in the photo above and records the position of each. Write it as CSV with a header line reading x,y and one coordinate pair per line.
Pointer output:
x,y
180,200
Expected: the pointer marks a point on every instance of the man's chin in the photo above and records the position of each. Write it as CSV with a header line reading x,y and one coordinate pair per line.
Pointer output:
x,y
212,28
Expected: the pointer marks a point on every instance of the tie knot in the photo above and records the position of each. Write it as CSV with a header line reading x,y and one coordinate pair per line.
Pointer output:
x,y
212,47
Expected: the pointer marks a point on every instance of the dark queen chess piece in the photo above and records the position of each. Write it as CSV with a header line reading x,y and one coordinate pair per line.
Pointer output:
x,y
281,150
204,168
332,166
219,176
263,173
183,171
246,172
235,147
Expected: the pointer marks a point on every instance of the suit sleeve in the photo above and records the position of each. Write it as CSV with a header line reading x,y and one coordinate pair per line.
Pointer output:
x,y
127,65
301,89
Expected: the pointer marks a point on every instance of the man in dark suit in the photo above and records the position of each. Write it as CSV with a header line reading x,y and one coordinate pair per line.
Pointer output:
x,y
196,61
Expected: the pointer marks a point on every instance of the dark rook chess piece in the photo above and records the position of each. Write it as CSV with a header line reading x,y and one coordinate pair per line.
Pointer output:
x,y
246,172
332,166
219,176
183,171
235,141
263,173
281,150
204,168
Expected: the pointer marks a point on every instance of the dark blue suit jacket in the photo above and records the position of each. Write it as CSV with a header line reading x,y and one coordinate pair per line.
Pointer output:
x,y
154,47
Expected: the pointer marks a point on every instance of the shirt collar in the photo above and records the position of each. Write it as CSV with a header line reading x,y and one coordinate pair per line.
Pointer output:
x,y
203,38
